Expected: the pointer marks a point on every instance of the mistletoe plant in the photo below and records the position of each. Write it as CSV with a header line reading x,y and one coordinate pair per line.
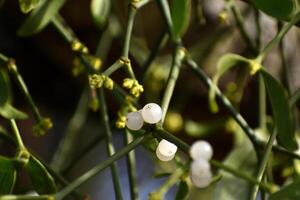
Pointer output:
x,y
154,124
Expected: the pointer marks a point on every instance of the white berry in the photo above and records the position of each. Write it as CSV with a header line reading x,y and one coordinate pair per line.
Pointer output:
x,y
200,173
201,181
152,113
201,149
134,121
165,150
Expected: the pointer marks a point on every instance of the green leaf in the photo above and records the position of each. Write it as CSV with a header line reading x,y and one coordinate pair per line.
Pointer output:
x,y
225,63
7,175
183,191
9,112
281,112
28,5
181,16
4,87
280,9
100,11
42,181
289,192
40,17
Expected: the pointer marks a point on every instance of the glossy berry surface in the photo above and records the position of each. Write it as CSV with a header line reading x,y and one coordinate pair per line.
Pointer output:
x,y
152,113
134,121
165,150
201,150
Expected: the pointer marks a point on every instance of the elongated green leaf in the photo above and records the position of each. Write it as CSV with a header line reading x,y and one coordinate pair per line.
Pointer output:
x,y
181,16
28,5
289,192
41,180
281,112
4,87
40,17
183,191
9,112
225,63
100,11
280,9
7,175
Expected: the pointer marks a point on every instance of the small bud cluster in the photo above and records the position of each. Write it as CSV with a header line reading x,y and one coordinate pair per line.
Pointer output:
x,y
97,81
133,85
42,126
200,173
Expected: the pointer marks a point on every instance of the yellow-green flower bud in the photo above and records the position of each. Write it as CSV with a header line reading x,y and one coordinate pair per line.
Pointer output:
x,y
128,83
77,46
108,83
96,81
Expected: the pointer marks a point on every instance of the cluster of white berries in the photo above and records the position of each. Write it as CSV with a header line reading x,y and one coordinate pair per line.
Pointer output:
x,y
200,173
151,114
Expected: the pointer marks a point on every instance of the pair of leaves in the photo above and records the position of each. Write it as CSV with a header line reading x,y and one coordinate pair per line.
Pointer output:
x,y
42,181
100,11
181,16
276,92
40,17
6,109
279,9
28,5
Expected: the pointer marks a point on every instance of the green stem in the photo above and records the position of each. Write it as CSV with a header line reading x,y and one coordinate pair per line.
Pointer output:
x,y
262,103
17,135
240,24
130,22
278,37
109,144
66,145
97,169
26,197
263,164
131,166
114,67
164,7
20,82
63,28
178,58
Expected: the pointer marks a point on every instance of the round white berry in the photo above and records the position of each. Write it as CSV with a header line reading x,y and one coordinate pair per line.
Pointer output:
x,y
134,121
165,150
152,113
200,173
201,149
200,167
201,181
